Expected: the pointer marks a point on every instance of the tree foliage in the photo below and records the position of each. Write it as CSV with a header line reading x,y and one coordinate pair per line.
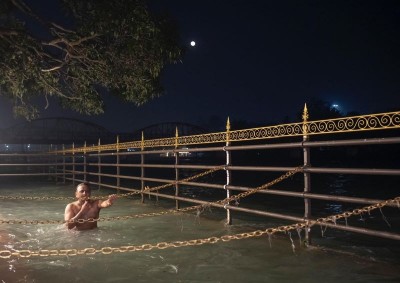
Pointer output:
x,y
116,45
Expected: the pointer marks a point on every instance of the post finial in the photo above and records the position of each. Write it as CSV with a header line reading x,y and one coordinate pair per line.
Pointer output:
x,y
142,142
305,113
176,136
228,124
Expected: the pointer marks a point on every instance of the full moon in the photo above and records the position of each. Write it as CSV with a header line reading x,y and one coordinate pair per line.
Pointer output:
x,y
193,43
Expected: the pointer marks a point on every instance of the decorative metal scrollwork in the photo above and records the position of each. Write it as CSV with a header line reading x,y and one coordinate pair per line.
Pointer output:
x,y
371,122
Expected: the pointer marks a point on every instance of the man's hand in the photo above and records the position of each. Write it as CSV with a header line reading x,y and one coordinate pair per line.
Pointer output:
x,y
86,206
109,201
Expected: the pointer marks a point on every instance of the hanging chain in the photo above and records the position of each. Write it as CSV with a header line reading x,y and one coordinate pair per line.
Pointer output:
x,y
197,176
120,195
195,242
186,209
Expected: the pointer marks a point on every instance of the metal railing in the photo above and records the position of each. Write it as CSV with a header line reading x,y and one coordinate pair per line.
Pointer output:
x,y
233,162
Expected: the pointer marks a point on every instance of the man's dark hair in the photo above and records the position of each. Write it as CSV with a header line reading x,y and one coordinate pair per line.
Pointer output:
x,y
87,184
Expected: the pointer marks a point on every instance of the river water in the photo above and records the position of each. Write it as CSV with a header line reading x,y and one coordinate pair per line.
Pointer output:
x,y
334,257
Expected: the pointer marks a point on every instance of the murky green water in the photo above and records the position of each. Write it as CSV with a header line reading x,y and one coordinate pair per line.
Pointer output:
x,y
336,257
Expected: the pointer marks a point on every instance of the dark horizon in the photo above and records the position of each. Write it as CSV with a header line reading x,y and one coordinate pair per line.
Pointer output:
x,y
260,61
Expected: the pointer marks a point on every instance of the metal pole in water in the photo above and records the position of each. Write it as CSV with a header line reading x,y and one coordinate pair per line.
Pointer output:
x,y
55,160
63,147
307,176
73,164
99,165
84,163
142,162
118,167
176,168
228,173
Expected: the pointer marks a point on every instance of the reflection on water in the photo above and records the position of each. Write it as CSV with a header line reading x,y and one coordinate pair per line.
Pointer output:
x,y
337,184
354,259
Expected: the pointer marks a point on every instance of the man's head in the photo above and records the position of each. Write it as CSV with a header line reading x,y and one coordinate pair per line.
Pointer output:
x,y
83,191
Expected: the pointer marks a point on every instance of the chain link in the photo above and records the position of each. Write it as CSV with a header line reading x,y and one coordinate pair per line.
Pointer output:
x,y
6,254
197,176
195,242
35,198
138,191
171,211
260,188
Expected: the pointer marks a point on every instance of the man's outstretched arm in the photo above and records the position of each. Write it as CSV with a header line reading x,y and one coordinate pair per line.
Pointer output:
x,y
108,202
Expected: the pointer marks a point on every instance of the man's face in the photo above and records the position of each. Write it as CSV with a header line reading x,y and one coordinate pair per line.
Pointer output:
x,y
82,192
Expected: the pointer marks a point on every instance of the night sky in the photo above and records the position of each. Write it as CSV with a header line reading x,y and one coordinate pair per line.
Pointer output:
x,y
260,61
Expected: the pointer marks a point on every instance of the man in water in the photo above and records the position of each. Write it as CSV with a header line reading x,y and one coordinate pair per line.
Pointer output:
x,y
85,208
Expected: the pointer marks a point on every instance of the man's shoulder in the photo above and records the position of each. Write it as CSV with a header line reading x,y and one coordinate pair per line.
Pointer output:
x,y
72,205
97,203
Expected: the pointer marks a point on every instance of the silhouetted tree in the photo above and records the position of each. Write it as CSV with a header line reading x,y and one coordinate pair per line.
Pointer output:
x,y
116,45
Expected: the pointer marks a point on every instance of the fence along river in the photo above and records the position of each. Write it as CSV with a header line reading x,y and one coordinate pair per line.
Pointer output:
x,y
244,158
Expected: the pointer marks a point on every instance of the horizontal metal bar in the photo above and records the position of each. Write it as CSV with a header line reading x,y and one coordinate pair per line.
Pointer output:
x,y
171,166
268,191
353,142
243,189
369,232
260,168
158,151
361,142
364,231
290,193
52,155
352,171
131,177
314,196
360,171
29,164
29,174
203,185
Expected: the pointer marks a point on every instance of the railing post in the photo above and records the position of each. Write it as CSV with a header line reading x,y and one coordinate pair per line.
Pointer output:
x,y
99,165
142,161
73,164
48,161
84,163
176,168
118,167
307,176
228,173
63,147
55,164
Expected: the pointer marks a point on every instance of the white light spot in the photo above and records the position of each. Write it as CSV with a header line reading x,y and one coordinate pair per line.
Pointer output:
x,y
193,43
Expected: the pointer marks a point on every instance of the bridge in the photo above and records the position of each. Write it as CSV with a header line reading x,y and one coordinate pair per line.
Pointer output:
x,y
59,131
163,130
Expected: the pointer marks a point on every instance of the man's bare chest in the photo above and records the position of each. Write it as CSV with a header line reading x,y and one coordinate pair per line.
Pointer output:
x,y
92,211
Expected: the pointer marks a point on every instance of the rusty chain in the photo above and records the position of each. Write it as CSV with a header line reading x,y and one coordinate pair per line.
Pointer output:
x,y
35,198
221,202
6,254
197,176
147,189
